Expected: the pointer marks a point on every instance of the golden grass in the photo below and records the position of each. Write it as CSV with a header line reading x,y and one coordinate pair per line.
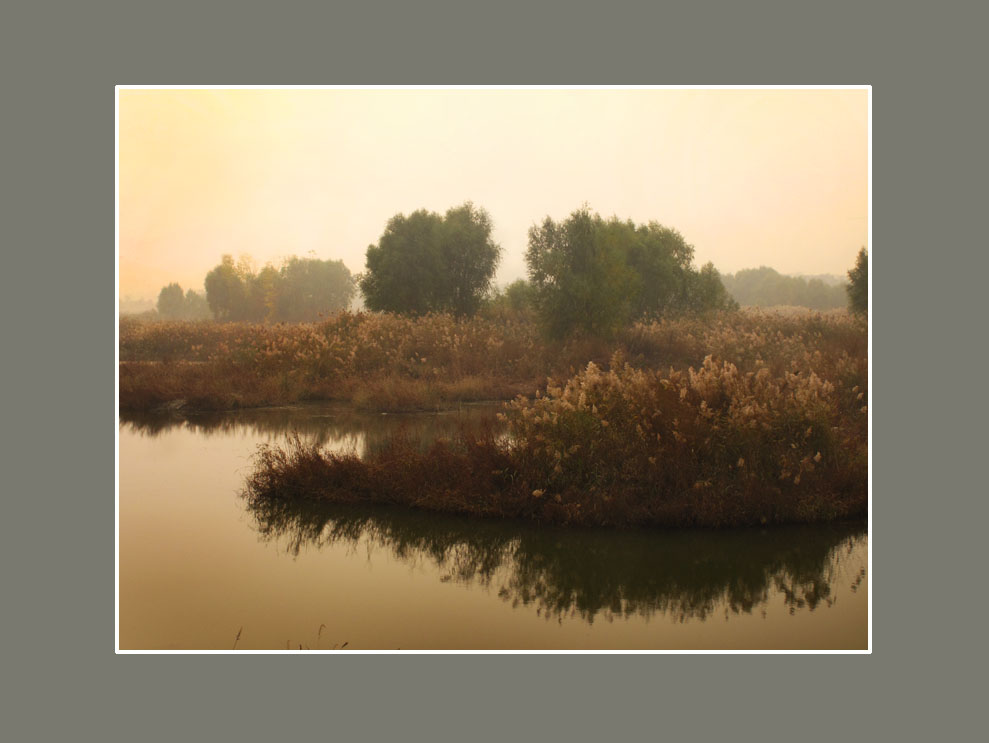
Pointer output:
x,y
386,361
768,425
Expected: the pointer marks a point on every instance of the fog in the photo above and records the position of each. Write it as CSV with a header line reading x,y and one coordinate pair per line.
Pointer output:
x,y
749,177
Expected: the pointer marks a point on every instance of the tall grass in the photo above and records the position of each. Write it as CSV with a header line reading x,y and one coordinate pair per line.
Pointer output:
x,y
378,361
391,362
770,426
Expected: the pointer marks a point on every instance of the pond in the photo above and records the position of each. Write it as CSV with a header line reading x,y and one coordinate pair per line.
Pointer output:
x,y
200,569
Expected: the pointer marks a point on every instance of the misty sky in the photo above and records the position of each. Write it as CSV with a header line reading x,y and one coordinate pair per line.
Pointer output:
x,y
749,177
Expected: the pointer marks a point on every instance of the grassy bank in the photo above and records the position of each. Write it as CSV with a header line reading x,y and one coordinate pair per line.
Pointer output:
x,y
772,429
390,362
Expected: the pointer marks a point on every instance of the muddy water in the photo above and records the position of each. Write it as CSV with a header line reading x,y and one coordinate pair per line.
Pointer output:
x,y
198,567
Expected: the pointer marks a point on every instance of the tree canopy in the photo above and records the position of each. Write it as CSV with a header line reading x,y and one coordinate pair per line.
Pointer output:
x,y
226,292
306,288
593,275
300,290
171,301
426,262
858,284
174,305
518,297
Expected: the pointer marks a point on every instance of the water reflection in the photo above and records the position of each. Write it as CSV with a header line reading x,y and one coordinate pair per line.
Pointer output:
x,y
338,427
591,574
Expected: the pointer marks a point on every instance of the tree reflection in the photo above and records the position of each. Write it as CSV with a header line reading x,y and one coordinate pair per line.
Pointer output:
x,y
591,574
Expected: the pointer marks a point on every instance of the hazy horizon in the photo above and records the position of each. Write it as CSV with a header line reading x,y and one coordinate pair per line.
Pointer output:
x,y
750,177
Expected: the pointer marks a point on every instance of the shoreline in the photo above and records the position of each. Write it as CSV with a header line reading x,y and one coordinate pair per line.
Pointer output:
x,y
181,408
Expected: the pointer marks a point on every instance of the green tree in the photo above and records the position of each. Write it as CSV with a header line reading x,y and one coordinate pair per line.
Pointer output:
x,y
858,285
300,291
518,298
431,263
226,292
705,292
171,302
580,274
261,293
661,260
174,305
309,287
520,295
196,306
469,258
593,275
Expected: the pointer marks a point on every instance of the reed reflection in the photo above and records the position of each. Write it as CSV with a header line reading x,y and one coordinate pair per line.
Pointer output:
x,y
336,426
590,574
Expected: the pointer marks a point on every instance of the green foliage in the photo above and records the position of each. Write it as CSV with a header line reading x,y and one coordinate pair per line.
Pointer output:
x,y
431,263
300,291
174,305
171,302
264,294
661,259
594,276
308,288
581,275
705,291
765,287
858,285
225,291
196,306
518,297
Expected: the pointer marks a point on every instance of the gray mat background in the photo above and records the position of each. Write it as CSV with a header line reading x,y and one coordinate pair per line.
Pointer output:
x,y
62,679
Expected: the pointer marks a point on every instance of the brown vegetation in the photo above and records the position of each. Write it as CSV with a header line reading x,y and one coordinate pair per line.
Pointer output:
x,y
769,426
391,362
378,361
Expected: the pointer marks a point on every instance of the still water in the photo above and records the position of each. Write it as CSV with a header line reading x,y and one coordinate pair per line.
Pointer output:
x,y
199,569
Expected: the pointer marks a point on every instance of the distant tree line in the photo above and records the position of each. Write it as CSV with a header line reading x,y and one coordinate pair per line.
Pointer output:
x,y
766,287
301,290
174,304
586,274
